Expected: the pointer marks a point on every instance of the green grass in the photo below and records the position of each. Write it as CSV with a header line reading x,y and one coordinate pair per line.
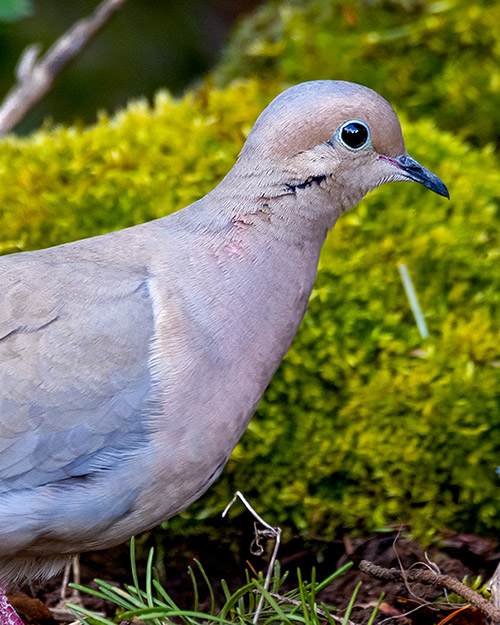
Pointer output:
x,y
152,603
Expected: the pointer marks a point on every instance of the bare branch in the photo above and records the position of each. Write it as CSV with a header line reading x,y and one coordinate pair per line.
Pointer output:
x,y
35,77
423,576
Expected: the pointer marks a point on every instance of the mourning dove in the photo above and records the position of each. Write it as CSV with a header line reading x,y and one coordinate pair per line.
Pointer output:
x,y
131,363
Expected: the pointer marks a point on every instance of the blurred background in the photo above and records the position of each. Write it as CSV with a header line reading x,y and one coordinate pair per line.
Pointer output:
x,y
147,45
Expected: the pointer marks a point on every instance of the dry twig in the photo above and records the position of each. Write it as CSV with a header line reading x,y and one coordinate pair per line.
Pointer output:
x,y
424,576
35,76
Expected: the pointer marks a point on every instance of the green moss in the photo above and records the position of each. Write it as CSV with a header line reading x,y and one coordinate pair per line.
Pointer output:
x,y
439,59
69,183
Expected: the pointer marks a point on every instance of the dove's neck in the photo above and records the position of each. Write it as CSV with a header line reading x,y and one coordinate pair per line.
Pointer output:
x,y
248,255
284,204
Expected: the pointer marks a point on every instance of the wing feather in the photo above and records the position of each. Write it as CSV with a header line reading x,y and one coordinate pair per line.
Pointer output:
x,y
74,366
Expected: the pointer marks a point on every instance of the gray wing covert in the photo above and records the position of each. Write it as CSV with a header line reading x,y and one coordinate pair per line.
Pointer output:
x,y
74,367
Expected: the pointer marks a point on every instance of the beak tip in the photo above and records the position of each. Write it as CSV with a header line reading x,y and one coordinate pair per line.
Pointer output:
x,y
417,173
444,191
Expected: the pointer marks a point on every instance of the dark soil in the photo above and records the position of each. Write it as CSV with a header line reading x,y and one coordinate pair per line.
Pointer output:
x,y
229,558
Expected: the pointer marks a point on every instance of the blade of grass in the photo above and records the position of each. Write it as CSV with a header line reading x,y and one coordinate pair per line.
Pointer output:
x,y
240,607
146,614
149,613
351,604
149,575
135,594
304,598
209,585
375,610
168,599
327,610
326,582
116,596
120,598
235,598
272,602
278,582
169,603
133,565
276,577
311,588
78,609
195,587
225,589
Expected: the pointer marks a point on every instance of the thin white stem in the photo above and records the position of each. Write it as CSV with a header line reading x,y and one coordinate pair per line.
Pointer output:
x,y
275,532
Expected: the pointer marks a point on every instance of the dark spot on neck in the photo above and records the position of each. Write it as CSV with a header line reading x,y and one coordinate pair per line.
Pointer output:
x,y
292,188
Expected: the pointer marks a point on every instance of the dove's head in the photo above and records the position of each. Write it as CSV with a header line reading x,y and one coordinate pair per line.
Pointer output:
x,y
341,137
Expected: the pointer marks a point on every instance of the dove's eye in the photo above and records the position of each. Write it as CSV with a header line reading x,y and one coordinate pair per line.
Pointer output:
x,y
354,134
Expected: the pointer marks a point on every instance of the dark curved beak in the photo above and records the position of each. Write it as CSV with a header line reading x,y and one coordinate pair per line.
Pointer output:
x,y
417,173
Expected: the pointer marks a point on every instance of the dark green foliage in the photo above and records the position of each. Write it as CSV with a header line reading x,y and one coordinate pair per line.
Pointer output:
x,y
428,58
12,10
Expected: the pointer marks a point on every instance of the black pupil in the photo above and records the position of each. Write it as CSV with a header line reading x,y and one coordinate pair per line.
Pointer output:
x,y
354,135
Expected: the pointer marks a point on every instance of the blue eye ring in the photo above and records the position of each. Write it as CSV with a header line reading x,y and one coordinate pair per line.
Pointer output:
x,y
354,134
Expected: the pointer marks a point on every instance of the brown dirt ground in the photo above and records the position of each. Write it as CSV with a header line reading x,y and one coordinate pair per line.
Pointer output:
x,y
455,554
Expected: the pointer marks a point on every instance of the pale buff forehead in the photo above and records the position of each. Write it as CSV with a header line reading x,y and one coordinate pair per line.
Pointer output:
x,y
310,113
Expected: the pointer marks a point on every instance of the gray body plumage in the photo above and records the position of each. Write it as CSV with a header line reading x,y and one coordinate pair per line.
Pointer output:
x,y
131,363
